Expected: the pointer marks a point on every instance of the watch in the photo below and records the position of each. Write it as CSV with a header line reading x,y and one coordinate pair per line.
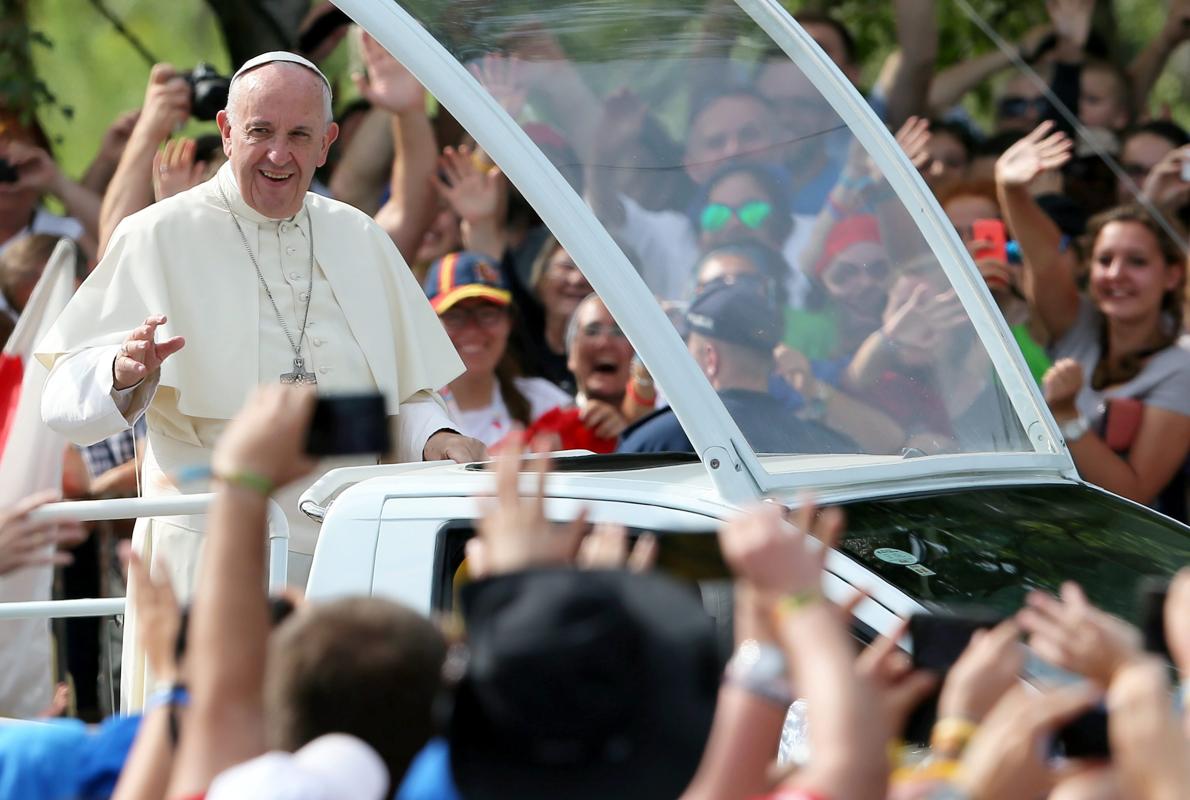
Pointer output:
x,y
1074,429
759,668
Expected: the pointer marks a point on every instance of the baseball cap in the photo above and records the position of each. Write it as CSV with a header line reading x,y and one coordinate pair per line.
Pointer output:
x,y
846,232
463,275
737,309
582,685
335,766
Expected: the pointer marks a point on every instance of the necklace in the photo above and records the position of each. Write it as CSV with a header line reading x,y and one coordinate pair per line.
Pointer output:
x,y
299,374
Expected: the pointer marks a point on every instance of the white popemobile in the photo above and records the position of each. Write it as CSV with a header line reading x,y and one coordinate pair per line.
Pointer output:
x,y
980,502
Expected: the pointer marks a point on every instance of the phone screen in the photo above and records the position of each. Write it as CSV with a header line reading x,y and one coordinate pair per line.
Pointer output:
x,y
349,425
993,239
939,639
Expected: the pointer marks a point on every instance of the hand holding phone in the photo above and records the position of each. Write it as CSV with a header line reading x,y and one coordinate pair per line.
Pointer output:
x,y
990,240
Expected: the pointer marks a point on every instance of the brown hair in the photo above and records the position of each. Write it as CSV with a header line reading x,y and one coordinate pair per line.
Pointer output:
x,y
364,666
985,190
1113,370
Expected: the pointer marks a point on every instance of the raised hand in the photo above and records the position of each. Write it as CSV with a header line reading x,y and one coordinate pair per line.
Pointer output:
x,y
267,437
1038,151
174,168
24,542
140,355
1165,185
35,167
1148,749
388,84
776,556
504,78
914,138
1071,633
988,668
167,103
513,532
900,687
917,318
1060,385
606,420
475,194
1072,24
606,547
116,136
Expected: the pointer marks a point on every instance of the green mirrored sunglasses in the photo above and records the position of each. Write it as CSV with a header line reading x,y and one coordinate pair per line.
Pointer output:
x,y
751,215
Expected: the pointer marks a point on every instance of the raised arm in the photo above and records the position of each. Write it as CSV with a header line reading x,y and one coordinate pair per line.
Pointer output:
x,y
478,196
951,84
906,82
260,451
411,204
167,105
1047,278
1148,65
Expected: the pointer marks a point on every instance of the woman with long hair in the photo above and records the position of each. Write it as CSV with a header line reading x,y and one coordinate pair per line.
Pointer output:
x,y
1120,384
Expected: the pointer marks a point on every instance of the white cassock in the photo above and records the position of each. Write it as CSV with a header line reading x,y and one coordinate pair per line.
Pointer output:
x,y
370,328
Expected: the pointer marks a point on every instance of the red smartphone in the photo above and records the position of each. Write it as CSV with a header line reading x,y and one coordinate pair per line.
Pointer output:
x,y
1121,421
993,238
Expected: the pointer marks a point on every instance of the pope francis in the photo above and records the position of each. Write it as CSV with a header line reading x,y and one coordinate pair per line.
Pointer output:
x,y
245,279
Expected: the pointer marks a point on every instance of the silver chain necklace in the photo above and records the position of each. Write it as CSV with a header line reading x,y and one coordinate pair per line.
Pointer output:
x,y
299,374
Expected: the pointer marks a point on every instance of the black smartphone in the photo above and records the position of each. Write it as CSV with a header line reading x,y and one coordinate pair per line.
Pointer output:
x,y
349,425
1085,736
1153,593
939,639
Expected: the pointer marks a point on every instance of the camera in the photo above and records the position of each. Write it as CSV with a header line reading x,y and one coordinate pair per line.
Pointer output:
x,y
8,173
208,91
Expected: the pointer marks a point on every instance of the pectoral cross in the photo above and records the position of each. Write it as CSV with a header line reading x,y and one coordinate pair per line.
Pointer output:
x,y
299,375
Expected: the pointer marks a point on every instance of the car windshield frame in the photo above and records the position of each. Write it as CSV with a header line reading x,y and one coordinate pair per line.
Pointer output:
x,y
735,469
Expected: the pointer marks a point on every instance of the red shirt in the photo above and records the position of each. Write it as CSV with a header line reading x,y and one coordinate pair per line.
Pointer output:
x,y
574,435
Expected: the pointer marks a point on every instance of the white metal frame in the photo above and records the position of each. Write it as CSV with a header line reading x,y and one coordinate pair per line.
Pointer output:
x,y
132,508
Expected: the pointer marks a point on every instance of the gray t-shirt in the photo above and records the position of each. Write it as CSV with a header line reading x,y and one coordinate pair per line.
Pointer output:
x,y
1164,381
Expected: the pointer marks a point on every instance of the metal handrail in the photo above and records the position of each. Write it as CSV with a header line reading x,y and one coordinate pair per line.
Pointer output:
x,y
132,508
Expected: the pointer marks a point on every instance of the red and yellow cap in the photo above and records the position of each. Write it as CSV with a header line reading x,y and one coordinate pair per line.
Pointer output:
x,y
463,275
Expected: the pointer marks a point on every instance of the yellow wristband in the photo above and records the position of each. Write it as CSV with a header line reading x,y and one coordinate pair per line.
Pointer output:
x,y
951,734
791,603
246,479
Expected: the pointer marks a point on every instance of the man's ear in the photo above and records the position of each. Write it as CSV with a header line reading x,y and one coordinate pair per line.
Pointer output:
x,y
224,123
332,133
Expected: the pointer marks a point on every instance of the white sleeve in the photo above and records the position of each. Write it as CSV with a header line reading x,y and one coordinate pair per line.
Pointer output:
x,y
419,418
80,402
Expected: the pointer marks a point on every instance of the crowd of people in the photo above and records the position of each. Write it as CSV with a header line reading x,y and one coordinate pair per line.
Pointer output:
x,y
807,295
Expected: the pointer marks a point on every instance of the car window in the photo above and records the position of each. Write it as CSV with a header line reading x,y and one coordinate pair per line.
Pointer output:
x,y
989,547
708,154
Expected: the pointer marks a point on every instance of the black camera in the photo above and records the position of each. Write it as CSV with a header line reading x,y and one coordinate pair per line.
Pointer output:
x,y
208,91
8,173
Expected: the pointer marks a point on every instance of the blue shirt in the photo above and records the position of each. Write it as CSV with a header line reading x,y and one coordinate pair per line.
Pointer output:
x,y
64,759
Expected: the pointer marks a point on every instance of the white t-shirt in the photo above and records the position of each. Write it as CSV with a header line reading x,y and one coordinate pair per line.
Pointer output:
x,y
493,422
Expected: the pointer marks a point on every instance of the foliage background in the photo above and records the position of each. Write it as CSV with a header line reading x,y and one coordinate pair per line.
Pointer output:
x,y
94,72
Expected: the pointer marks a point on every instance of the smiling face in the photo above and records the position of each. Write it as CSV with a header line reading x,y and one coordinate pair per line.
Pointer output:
x,y
1129,273
730,127
600,356
479,330
857,280
562,285
736,191
276,135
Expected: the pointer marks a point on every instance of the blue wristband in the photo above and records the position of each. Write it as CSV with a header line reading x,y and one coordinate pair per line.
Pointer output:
x,y
174,696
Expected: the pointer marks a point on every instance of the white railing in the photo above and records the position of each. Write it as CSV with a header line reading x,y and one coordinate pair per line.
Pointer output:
x,y
129,508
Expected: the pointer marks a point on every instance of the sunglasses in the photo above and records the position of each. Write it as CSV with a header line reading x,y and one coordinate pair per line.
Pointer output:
x,y
842,273
751,215
487,315
1014,106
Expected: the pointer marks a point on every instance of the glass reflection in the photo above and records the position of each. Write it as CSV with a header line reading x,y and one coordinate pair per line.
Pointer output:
x,y
706,152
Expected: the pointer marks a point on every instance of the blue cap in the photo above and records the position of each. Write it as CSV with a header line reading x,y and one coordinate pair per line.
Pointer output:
x,y
738,309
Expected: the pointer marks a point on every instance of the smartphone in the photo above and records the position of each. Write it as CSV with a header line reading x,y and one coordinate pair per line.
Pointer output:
x,y
1085,736
8,173
939,639
994,238
1121,422
349,425
1152,595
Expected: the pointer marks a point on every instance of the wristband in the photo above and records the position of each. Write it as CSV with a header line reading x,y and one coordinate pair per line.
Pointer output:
x,y
635,395
759,668
247,479
792,603
174,695
951,734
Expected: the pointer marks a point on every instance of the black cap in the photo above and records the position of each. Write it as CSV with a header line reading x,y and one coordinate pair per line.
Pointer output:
x,y
582,685
738,309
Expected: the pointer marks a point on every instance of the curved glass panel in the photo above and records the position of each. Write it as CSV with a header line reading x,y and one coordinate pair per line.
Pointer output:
x,y
808,295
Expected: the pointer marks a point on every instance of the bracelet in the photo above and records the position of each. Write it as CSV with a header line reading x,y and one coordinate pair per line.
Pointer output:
x,y
951,734
792,603
174,695
635,395
247,479
759,668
